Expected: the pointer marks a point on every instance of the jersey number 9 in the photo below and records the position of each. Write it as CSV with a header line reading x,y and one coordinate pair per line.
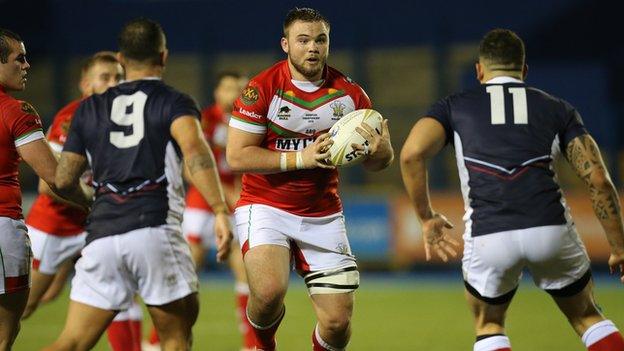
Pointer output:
x,y
127,110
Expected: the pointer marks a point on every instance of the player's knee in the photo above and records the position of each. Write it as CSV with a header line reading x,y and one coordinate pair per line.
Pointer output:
x,y
336,324
268,298
175,344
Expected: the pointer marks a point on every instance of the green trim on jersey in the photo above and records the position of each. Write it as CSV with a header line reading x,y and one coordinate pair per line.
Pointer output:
x,y
27,134
285,132
310,105
248,121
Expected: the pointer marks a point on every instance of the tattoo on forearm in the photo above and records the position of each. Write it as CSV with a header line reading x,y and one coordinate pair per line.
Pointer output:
x,y
199,162
584,156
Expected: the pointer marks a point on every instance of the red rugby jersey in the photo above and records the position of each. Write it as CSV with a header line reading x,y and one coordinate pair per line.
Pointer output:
x,y
291,119
19,125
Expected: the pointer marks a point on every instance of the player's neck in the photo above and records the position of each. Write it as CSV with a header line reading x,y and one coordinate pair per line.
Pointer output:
x,y
143,72
489,75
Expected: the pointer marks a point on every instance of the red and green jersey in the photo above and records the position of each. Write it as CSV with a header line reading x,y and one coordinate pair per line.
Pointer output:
x,y
19,125
291,118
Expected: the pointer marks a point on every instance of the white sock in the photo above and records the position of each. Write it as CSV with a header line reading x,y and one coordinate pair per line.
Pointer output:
x,y
492,343
598,331
317,335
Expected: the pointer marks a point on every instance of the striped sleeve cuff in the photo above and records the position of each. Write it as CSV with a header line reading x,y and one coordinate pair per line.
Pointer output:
x,y
248,127
29,137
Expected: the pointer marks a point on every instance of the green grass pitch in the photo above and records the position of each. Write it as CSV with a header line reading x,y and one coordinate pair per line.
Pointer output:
x,y
411,314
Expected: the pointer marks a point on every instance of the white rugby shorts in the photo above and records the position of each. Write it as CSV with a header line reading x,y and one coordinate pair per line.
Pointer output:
x,y
555,255
316,243
50,251
198,227
154,262
15,256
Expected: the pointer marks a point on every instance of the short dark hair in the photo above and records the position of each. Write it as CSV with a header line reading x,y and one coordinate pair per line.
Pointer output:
x,y
304,14
142,40
5,49
102,56
503,49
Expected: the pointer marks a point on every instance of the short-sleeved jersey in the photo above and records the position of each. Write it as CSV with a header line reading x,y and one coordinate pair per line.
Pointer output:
x,y
19,125
214,124
46,214
506,135
136,164
291,119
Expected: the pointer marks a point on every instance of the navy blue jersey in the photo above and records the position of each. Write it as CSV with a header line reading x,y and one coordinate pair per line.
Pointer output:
x,y
506,135
125,135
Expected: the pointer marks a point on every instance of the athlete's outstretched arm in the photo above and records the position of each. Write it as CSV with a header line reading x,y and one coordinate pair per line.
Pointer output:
x,y
70,168
244,154
424,141
584,156
200,164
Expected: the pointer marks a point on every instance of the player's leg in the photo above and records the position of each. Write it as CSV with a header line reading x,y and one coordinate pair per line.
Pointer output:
x,y
267,267
241,289
49,254
323,256
14,278
266,255
333,313
59,282
40,284
597,333
11,307
560,266
492,265
174,321
489,323
83,327
100,288
124,332
160,261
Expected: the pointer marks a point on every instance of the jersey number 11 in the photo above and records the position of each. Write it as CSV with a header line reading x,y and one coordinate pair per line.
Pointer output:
x,y
497,104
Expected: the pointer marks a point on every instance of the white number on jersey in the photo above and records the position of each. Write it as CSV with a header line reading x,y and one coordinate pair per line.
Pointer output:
x,y
136,102
497,104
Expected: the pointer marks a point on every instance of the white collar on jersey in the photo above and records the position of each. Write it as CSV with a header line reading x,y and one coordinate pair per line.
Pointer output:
x,y
308,86
503,80
144,78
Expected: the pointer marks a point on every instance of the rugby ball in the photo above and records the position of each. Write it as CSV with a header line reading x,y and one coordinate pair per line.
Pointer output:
x,y
343,134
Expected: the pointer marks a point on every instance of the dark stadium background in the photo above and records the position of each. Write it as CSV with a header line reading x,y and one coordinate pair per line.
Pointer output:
x,y
406,54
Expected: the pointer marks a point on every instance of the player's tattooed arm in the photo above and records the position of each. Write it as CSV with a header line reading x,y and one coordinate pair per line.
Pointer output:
x,y
199,162
67,180
200,166
584,156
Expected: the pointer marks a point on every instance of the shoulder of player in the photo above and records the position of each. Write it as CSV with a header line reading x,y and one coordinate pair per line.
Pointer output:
x,y
11,107
339,80
68,110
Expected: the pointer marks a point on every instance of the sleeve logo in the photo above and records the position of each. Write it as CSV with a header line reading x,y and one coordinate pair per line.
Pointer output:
x,y
28,108
249,96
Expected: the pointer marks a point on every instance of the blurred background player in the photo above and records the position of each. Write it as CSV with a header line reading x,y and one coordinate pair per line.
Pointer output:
x,y
289,205
56,226
136,136
198,222
21,136
506,136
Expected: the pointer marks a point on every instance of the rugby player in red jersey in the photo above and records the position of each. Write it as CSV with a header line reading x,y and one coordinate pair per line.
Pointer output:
x,y
21,137
289,205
